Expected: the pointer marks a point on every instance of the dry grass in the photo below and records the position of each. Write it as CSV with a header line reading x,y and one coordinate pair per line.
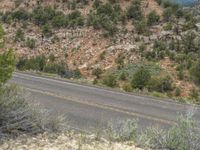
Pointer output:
x,y
65,141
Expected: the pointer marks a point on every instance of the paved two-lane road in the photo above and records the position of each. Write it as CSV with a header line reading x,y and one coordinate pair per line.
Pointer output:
x,y
87,106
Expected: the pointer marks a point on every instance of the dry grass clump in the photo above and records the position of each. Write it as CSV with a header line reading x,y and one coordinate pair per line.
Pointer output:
x,y
65,141
185,135
19,116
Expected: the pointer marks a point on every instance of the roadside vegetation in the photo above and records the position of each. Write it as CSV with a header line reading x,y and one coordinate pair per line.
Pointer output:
x,y
48,65
122,136
181,136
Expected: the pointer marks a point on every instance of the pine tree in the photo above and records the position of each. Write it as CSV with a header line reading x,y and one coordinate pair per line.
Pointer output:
x,y
2,33
7,63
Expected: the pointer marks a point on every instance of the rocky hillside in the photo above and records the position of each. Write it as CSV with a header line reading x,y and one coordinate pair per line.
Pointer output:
x,y
97,37
84,45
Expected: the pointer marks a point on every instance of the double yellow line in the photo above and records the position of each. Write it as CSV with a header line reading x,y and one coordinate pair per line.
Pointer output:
x,y
105,107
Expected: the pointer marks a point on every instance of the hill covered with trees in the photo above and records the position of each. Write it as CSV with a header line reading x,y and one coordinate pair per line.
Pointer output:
x,y
146,46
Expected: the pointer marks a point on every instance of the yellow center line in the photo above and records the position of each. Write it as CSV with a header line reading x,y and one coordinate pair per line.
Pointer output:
x,y
106,107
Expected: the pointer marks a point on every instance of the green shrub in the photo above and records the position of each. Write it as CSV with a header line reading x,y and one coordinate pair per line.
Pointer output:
x,y
142,48
55,68
120,60
141,27
106,10
51,57
7,63
159,2
180,57
180,74
158,52
96,4
6,17
194,94
84,2
30,43
161,84
190,21
167,14
129,69
48,15
195,72
113,1
160,45
171,55
20,15
127,87
189,25
77,74
179,13
2,33
175,44
134,11
39,63
102,55
152,18
21,64
177,91
106,17
97,72
35,63
19,36
167,4
51,68
181,136
109,80
94,20
72,4
75,19
95,81
141,78
123,76
168,26
188,43
59,21
190,58
42,16
47,30
110,29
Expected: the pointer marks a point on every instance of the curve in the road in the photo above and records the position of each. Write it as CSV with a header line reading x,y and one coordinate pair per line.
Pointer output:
x,y
143,107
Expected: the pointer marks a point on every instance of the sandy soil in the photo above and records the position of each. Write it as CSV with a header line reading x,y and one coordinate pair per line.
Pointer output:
x,y
65,141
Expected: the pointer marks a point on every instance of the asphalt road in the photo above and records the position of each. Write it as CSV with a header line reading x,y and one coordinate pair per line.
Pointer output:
x,y
88,108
